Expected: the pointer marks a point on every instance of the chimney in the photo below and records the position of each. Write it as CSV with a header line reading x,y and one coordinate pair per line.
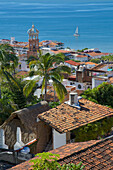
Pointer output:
x,y
73,98
2,140
19,142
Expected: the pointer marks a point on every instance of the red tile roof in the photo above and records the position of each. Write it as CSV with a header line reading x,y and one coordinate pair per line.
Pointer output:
x,y
63,151
72,77
68,149
101,65
90,63
65,118
93,54
81,56
71,62
94,155
60,51
97,157
22,73
49,42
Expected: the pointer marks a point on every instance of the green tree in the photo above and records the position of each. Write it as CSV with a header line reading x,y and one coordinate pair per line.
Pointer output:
x,y
16,86
109,58
76,60
48,161
102,94
96,60
44,68
8,60
6,104
82,50
95,130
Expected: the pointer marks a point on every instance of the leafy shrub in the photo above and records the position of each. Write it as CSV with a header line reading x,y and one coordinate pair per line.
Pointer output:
x,y
96,60
92,131
54,104
48,161
102,94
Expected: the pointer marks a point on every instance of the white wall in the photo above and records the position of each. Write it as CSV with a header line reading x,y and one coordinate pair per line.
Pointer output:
x,y
82,86
71,66
58,139
24,66
46,50
90,66
82,59
96,82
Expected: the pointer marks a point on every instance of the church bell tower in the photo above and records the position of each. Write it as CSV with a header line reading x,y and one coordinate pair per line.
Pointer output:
x,y
33,42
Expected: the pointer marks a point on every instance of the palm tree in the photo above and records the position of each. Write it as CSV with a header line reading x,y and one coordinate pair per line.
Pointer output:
x,y
8,60
44,68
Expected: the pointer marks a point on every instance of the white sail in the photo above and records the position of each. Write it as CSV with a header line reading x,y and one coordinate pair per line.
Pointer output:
x,y
76,33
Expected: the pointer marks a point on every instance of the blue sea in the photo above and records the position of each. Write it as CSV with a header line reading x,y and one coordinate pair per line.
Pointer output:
x,y
58,19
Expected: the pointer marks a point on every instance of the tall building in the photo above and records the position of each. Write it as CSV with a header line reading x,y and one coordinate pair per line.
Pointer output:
x,y
33,42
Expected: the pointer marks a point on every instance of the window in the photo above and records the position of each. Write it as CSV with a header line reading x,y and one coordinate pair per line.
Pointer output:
x,y
79,86
20,66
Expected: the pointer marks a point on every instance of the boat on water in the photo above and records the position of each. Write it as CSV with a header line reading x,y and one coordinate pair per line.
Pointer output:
x,y
76,33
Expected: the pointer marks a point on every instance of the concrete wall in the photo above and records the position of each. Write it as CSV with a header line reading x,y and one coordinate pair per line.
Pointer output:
x,y
58,139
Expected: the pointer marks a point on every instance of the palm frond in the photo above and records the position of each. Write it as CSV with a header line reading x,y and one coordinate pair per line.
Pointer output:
x,y
56,75
11,79
29,86
59,88
63,68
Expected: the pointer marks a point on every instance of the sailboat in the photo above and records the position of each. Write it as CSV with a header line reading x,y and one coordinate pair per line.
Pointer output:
x,y
76,33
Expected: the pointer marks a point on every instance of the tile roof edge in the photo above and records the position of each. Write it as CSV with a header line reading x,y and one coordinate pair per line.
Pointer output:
x,y
42,119
98,142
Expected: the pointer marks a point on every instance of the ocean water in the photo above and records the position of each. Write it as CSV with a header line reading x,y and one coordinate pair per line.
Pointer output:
x,y
58,19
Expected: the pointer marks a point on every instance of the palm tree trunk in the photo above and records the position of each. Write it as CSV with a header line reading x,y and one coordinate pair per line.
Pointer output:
x,y
45,89
0,91
54,96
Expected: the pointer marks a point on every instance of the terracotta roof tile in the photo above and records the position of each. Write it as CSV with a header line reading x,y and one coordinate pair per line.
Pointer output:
x,y
60,51
95,54
81,56
90,63
96,157
71,148
66,118
22,73
72,62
